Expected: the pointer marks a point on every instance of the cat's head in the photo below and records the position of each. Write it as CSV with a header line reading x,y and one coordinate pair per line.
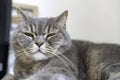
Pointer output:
x,y
41,38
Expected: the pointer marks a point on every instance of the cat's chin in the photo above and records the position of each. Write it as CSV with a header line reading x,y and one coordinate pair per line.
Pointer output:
x,y
39,56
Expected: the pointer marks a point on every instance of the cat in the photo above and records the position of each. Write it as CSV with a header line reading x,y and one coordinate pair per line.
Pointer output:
x,y
44,51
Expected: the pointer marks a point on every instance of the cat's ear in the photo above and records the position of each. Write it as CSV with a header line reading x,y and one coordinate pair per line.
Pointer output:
x,y
62,18
21,15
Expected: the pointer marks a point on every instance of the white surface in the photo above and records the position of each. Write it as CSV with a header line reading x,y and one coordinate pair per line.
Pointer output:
x,y
94,20
11,61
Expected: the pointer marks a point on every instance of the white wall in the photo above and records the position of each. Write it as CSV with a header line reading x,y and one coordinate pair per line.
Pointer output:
x,y
94,20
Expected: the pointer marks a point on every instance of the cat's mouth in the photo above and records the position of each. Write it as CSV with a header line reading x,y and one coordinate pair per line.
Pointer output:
x,y
38,51
39,55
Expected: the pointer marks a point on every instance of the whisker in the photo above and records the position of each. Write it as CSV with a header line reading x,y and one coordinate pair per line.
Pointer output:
x,y
61,59
68,60
48,47
49,50
29,50
20,53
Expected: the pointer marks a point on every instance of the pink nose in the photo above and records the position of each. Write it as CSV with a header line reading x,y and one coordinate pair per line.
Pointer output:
x,y
38,43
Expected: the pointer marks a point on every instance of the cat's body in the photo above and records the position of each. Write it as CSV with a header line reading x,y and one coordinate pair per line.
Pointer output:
x,y
44,51
51,69
101,61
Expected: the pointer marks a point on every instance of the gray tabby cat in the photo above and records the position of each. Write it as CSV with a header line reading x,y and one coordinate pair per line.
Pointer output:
x,y
44,51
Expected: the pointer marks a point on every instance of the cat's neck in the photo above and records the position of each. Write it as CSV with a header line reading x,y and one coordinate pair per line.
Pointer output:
x,y
25,66
27,62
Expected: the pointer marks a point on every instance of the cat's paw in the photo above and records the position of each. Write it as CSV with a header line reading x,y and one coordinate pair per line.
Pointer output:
x,y
8,77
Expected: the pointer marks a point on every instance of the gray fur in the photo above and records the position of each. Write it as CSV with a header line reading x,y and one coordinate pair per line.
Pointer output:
x,y
41,46
101,61
44,51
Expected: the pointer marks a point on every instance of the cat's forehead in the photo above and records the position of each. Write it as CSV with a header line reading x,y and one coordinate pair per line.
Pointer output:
x,y
37,25
43,21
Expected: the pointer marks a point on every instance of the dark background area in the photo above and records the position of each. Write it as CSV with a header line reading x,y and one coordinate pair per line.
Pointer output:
x,y
5,15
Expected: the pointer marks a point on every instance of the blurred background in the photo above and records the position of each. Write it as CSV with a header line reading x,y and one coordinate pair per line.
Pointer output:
x,y
91,20
94,20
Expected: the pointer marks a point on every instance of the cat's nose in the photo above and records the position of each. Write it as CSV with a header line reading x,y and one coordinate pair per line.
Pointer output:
x,y
39,43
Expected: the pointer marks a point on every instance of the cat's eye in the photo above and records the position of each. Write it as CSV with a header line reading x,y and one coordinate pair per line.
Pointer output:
x,y
50,35
29,34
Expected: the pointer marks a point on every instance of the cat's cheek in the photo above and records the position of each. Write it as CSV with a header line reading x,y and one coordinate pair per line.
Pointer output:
x,y
39,56
58,44
34,48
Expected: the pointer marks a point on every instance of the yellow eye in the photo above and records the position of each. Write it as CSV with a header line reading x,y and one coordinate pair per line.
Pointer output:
x,y
51,34
29,34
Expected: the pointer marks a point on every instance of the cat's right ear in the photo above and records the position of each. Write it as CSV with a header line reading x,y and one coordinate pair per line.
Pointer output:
x,y
62,18
21,15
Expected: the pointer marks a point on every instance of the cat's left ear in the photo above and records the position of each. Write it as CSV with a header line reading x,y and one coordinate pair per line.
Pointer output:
x,y
61,19
21,15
